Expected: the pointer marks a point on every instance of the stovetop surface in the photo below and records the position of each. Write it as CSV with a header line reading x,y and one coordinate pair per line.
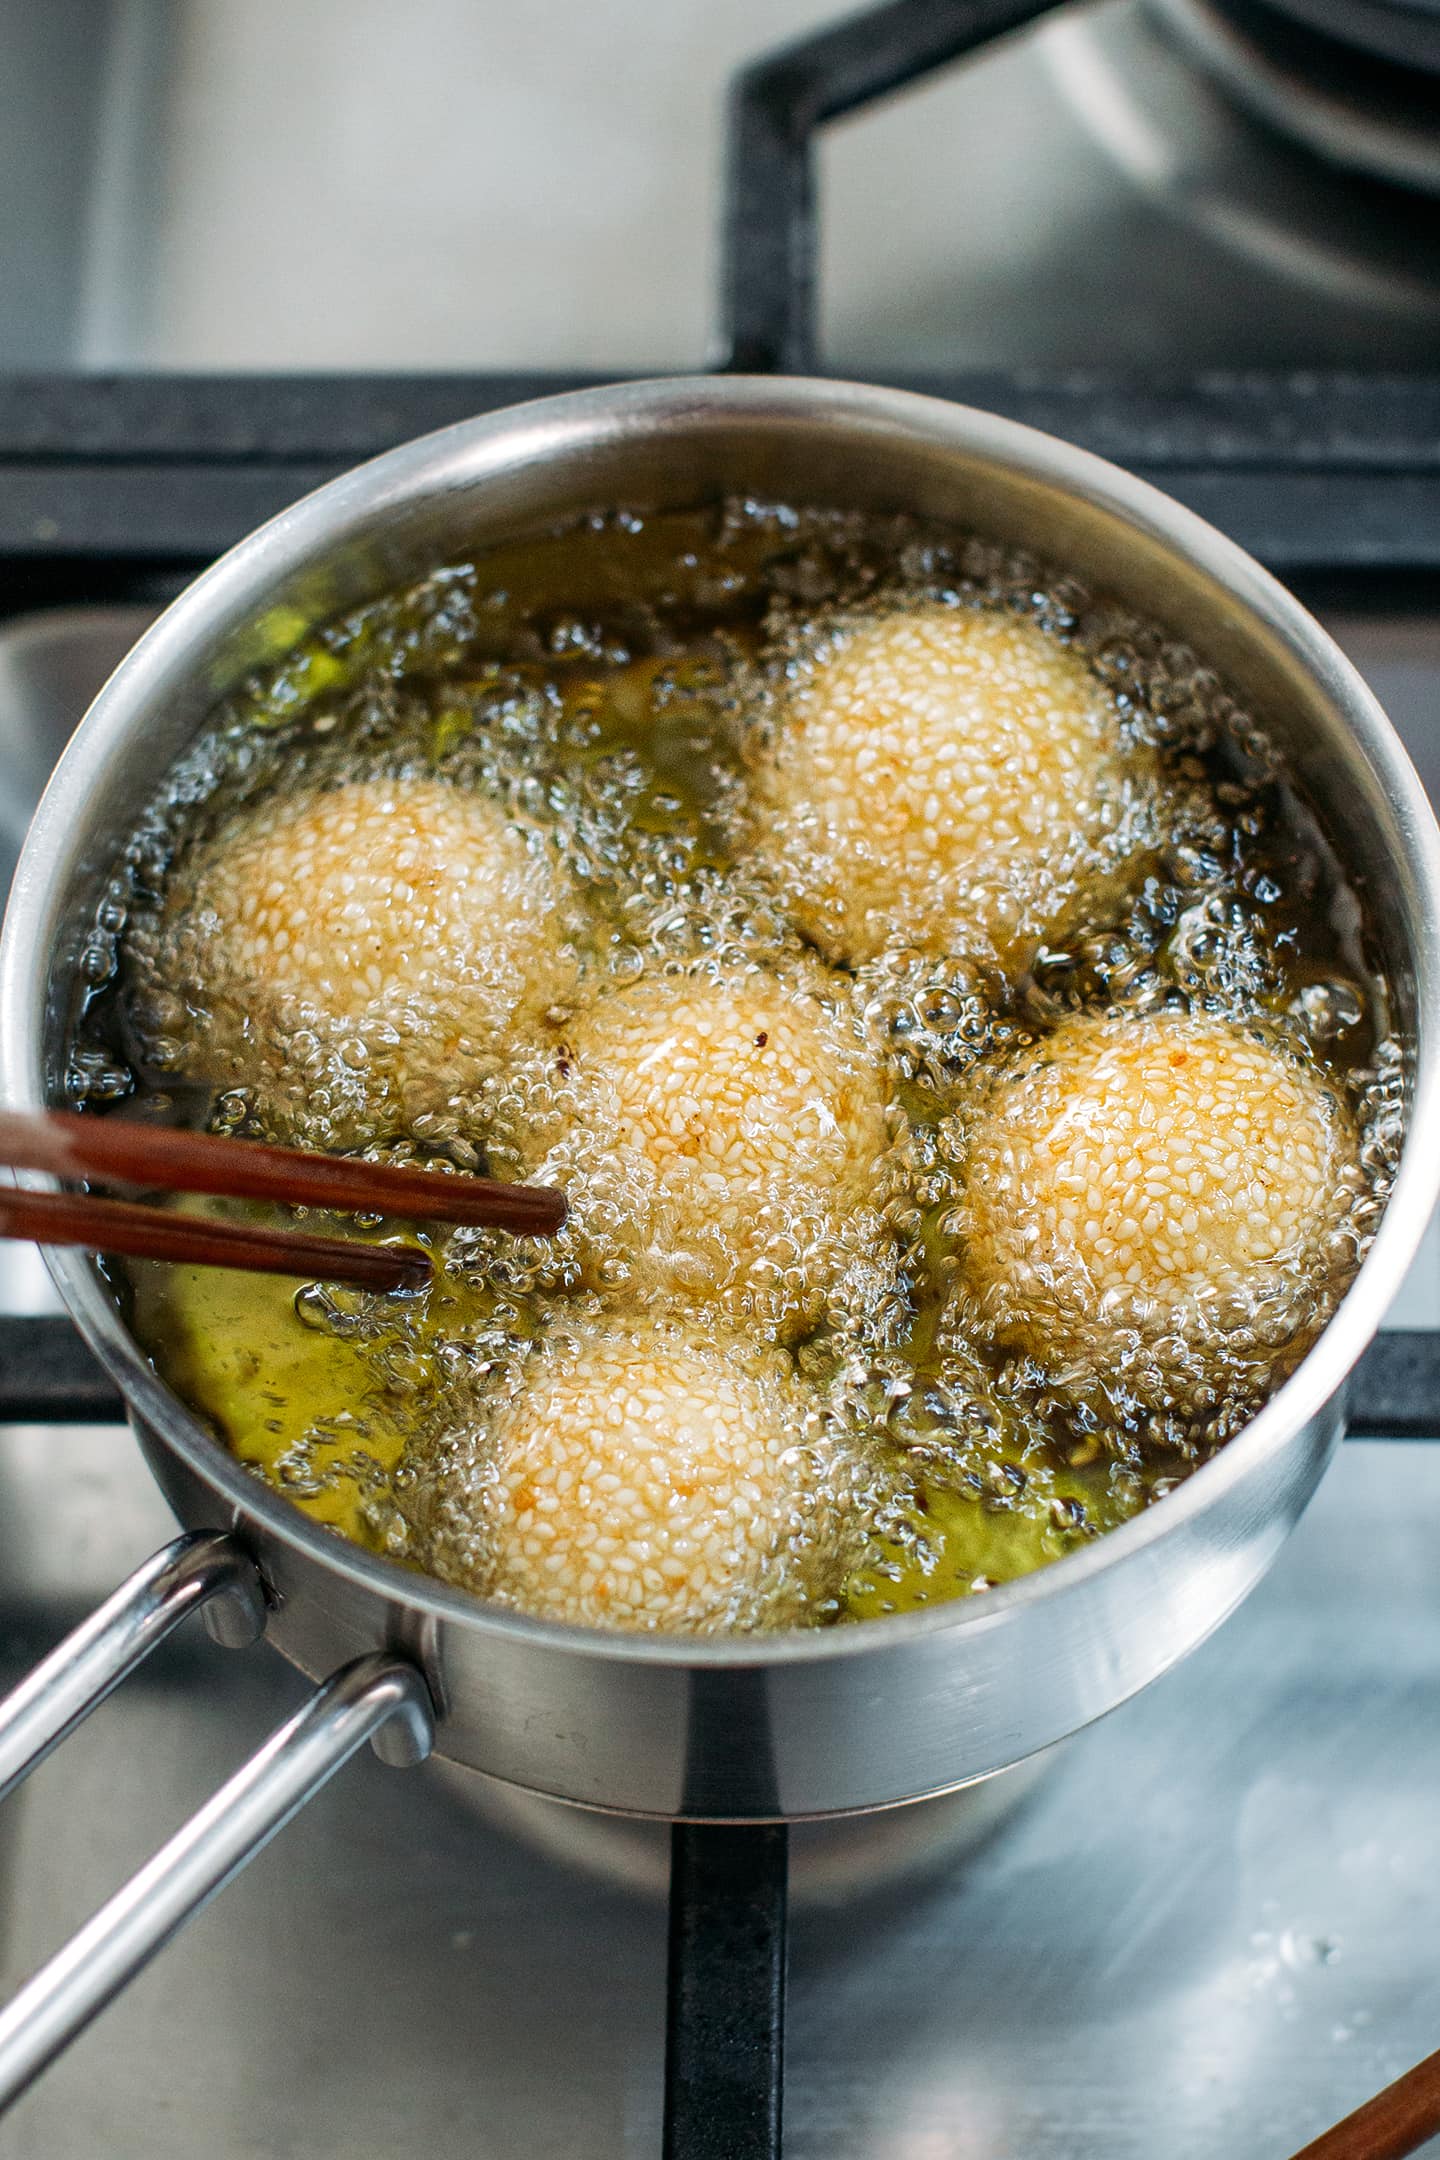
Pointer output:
x,y
1210,1930
1210,1927
452,185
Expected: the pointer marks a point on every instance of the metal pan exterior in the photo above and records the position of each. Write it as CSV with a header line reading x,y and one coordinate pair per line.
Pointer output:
x,y
849,1718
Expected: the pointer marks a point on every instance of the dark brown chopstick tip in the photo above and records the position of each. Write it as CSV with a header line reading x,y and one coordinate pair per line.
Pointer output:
x,y
412,1268
1397,2121
552,1209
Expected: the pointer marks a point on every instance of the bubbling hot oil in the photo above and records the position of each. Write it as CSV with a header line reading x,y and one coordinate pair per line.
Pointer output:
x,y
631,696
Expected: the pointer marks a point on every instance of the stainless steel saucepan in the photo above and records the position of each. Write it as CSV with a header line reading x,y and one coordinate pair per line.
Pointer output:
x,y
786,1726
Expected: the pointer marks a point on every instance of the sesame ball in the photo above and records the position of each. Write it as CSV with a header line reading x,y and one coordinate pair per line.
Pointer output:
x,y
654,1477
361,953
1134,1174
944,777
722,1140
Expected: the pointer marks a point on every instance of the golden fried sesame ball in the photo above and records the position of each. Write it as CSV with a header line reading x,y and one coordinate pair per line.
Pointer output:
x,y
364,950
1122,1171
652,1476
721,1140
944,776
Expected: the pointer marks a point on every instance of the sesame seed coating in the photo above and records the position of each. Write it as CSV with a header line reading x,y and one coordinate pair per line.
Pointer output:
x,y
364,948
1125,1169
649,1477
721,1140
722,869
943,775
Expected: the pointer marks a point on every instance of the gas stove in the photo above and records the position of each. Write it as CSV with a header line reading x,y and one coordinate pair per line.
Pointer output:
x,y
1205,1926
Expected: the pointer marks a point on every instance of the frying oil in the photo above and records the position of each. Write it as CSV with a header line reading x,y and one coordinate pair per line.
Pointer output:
x,y
617,688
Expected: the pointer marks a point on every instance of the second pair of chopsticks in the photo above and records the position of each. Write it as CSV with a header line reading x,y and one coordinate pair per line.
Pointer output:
x,y
159,1158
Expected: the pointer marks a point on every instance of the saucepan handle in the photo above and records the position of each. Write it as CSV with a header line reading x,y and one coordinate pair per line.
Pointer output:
x,y
202,1569
378,1698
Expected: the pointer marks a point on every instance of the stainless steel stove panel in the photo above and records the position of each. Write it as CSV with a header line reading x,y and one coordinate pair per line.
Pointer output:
x,y
1210,1932
481,186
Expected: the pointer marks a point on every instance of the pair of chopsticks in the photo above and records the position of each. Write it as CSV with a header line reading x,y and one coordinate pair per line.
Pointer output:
x,y
158,1158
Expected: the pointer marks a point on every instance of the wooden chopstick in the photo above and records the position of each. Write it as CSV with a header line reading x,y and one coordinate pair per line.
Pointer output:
x,y
1397,2121
147,1233
158,1157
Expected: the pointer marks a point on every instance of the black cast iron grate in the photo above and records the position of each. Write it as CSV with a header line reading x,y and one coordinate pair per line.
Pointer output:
x,y
123,487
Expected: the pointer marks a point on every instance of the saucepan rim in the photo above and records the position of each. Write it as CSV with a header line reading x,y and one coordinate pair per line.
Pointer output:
x,y
232,590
